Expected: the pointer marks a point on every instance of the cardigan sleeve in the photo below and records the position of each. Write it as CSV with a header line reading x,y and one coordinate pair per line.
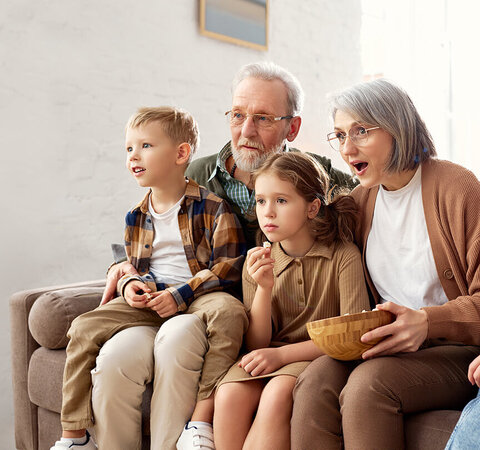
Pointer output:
x,y
455,206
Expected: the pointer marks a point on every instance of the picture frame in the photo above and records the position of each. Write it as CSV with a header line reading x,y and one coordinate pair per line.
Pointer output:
x,y
242,22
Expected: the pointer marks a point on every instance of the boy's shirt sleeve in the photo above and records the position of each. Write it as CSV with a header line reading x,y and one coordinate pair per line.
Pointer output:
x,y
130,224
224,262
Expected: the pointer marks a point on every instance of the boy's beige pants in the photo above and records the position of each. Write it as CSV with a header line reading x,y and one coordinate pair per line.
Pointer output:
x,y
223,315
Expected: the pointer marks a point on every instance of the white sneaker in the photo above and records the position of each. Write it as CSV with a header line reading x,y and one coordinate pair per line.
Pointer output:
x,y
64,443
195,437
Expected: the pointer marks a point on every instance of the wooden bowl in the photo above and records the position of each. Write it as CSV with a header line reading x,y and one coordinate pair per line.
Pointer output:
x,y
339,337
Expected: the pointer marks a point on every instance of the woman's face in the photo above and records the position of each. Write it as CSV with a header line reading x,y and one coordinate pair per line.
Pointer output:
x,y
368,160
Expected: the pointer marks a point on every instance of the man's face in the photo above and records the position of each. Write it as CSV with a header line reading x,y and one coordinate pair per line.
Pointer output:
x,y
251,145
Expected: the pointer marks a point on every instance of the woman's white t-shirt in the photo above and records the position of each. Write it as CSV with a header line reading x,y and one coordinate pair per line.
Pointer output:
x,y
168,263
399,254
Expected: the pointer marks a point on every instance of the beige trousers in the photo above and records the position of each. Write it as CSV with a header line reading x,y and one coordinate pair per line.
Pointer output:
x,y
172,357
225,320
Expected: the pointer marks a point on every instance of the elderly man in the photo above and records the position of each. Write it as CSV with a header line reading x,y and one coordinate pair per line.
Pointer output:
x,y
264,116
267,101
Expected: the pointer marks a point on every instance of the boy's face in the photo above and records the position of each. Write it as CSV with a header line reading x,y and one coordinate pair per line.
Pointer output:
x,y
151,154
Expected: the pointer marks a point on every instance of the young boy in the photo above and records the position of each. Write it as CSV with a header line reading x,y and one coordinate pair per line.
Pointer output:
x,y
184,242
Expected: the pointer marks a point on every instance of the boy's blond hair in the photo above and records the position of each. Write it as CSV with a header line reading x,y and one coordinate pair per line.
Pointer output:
x,y
178,124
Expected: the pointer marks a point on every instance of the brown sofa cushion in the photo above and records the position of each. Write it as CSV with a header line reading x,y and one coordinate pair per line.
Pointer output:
x,y
45,378
53,312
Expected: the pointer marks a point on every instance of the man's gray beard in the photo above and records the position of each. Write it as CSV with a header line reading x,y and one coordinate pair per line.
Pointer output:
x,y
245,161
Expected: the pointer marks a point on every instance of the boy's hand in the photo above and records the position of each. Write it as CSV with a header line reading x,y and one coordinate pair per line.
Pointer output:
x,y
163,303
262,361
136,294
116,272
260,266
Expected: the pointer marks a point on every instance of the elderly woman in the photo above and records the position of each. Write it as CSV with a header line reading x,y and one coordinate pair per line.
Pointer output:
x,y
419,234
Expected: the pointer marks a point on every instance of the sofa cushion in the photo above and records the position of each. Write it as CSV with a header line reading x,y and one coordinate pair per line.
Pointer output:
x,y
430,429
53,312
45,378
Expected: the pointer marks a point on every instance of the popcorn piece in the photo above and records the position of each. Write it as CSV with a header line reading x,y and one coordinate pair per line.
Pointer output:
x,y
267,244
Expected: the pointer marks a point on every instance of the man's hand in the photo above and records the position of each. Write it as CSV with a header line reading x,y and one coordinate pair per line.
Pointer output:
x,y
474,371
163,303
116,272
262,361
406,334
133,294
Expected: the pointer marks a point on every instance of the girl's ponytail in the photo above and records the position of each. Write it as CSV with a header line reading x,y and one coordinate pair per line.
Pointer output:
x,y
337,219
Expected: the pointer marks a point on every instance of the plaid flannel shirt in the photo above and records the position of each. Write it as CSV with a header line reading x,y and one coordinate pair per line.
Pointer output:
x,y
212,239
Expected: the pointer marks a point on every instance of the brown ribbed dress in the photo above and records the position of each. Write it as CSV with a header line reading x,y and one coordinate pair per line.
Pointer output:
x,y
328,281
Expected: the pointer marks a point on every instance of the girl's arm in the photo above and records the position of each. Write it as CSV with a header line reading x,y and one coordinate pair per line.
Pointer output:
x,y
266,360
260,268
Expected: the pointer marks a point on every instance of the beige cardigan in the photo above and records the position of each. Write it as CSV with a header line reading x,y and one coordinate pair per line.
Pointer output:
x,y
451,201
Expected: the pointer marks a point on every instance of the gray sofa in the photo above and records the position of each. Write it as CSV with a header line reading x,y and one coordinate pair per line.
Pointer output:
x,y
40,319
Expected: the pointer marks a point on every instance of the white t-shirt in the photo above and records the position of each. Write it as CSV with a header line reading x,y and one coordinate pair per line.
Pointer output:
x,y
399,255
168,262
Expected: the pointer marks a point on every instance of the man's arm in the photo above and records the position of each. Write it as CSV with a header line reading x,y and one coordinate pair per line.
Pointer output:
x,y
115,273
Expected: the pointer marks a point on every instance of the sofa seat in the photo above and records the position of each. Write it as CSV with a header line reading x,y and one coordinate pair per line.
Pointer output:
x,y
40,319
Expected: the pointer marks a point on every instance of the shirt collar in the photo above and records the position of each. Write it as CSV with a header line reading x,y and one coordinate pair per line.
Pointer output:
x,y
191,191
282,260
222,157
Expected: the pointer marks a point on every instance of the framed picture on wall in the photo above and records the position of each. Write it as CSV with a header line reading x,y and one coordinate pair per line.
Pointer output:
x,y
243,22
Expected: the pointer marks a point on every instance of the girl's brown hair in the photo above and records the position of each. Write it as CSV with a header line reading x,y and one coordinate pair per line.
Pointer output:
x,y
337,216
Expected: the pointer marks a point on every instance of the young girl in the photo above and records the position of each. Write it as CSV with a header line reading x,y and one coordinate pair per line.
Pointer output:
x,y
312,271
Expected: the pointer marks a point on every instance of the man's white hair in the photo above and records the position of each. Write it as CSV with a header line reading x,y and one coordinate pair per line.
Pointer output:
x,y
267,70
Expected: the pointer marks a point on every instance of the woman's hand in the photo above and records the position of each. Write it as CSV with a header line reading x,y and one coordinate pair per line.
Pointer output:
x,y
474,371
406,334
260,266
262,361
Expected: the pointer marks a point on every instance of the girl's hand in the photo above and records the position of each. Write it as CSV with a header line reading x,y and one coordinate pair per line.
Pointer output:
x,y
474,371
406,334
260,266
262,361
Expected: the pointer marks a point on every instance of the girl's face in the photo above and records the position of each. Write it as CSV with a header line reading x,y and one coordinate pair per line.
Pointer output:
x,y
283,214
369,160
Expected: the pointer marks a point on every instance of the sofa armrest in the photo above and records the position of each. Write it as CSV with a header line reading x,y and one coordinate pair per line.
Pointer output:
x,y
22,346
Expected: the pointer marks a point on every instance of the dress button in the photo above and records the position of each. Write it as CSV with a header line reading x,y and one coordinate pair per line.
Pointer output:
x,y
448,274
300,281
298,263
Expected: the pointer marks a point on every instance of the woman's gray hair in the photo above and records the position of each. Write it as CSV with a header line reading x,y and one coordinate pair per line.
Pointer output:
x,y
383,104
266,70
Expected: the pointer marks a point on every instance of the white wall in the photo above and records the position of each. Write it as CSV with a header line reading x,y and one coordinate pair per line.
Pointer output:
x,y
70,75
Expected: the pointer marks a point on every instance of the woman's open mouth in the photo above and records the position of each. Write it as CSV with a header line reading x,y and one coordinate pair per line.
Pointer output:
x,y
360,167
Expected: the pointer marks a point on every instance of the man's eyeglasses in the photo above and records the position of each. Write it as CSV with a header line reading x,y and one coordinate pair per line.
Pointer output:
x,y
357,134
237,118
